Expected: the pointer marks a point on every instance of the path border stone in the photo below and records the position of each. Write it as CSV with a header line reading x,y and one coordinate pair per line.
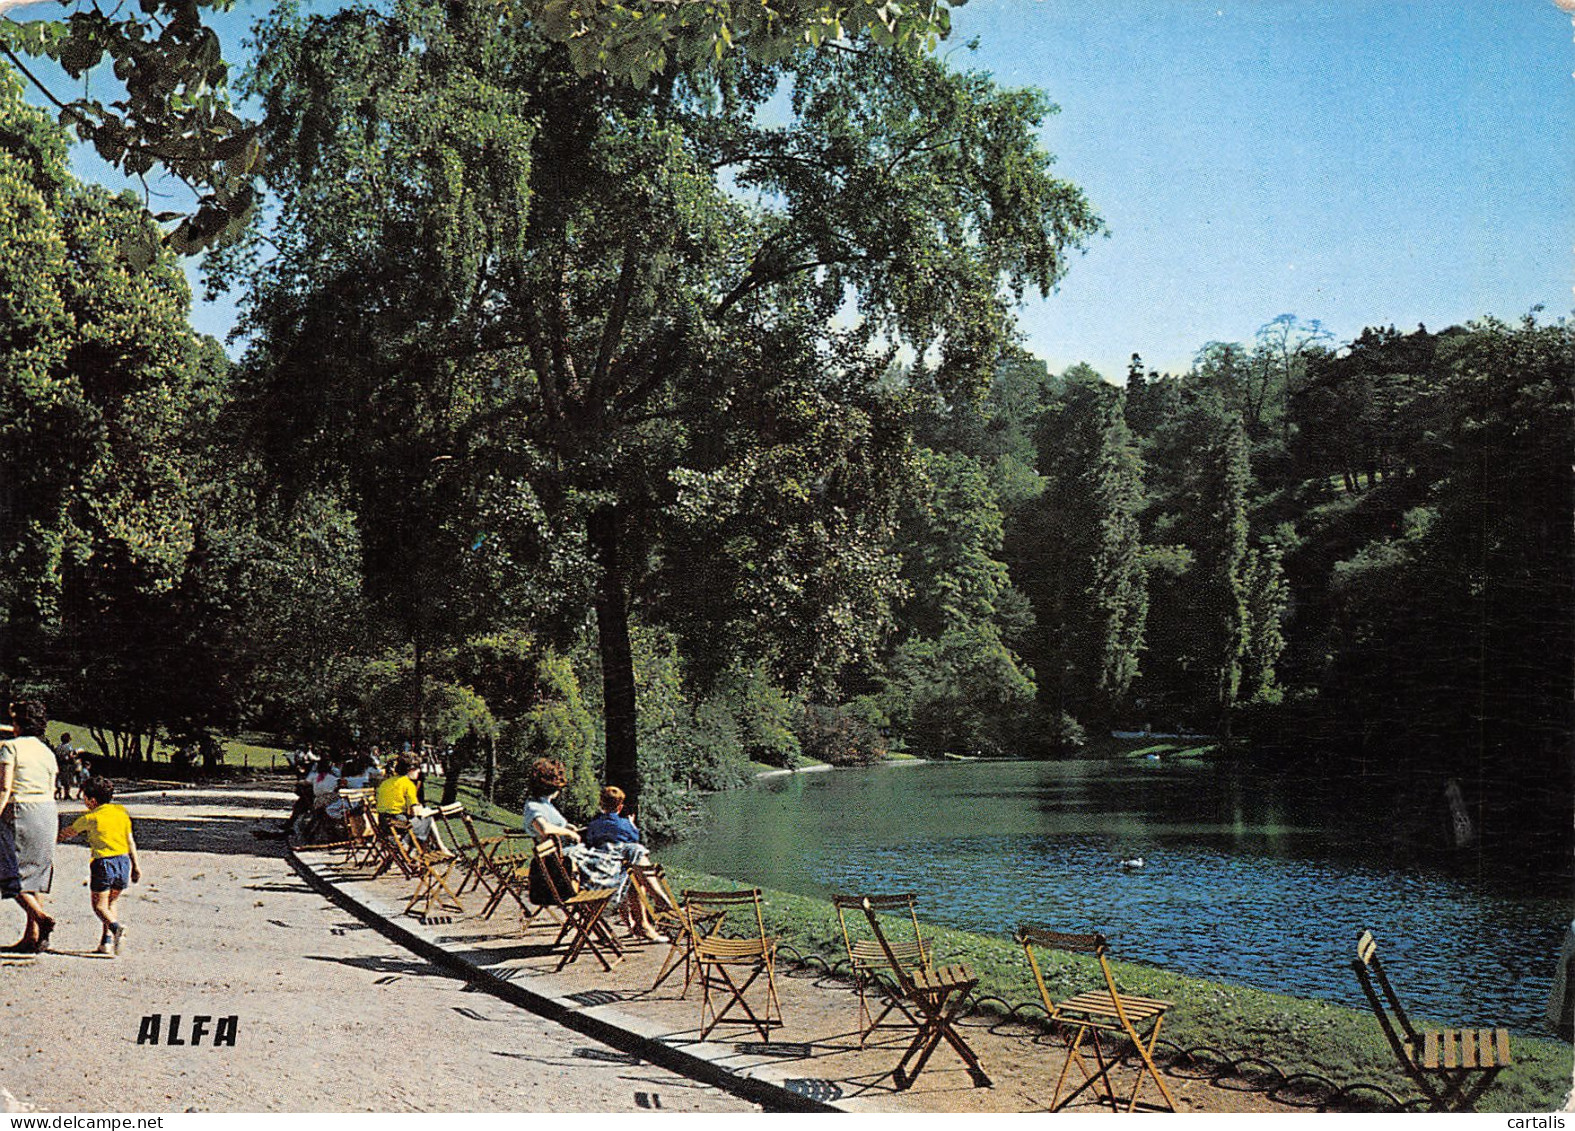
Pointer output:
x,y
601,1023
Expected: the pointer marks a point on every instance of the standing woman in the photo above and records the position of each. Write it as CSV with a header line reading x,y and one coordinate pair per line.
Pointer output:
x,y
27,810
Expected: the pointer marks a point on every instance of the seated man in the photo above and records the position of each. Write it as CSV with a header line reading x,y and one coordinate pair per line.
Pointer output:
x,y
397,795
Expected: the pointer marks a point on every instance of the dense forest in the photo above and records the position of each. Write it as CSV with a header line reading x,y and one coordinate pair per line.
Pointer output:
x,y
550,432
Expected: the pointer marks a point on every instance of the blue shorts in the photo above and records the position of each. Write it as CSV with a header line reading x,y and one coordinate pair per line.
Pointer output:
x,y
111,873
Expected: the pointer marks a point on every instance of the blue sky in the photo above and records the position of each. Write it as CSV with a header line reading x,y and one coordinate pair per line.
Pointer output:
x,y
1358,163
1355,162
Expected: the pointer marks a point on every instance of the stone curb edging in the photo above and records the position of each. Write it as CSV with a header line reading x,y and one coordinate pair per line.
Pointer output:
x,y
696,1067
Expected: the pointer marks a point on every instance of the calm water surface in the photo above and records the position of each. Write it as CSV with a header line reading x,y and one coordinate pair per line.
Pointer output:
x,y
1247,877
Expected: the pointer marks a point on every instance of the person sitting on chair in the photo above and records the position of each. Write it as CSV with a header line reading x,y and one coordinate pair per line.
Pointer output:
x,y
397,795
601,867
613,833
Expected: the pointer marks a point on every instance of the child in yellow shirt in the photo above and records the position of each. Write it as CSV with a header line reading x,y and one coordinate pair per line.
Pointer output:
x,y
114,864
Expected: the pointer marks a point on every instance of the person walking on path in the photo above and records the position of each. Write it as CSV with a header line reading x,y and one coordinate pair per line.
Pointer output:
x,y
66,763
27,808
114,866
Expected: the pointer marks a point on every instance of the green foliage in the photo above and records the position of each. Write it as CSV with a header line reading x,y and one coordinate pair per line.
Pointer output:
x,y
173,109
765,715
1267,599
557,725
560,360
107,403
1076,551
689,744
952,683
851,734
388,704
643,42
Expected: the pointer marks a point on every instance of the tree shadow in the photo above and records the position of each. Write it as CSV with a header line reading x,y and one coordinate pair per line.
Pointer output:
x,y
226,836
391,967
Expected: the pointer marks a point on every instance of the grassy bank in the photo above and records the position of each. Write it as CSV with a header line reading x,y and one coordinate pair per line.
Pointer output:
x,y
1296,1035
249,751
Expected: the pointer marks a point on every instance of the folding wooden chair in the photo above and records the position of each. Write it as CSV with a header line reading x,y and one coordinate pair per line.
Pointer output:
x,y
1097,1014
391,847
667,915
939,997
552,884
472,848
359,828
867,961
368,851
433,868
1452,1067
508,863
342,835
717,957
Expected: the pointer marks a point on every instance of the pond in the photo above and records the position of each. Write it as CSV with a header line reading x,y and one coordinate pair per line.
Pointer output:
x,y
1248,877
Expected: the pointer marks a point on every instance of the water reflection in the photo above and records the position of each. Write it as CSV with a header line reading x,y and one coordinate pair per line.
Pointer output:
x,y
1250,878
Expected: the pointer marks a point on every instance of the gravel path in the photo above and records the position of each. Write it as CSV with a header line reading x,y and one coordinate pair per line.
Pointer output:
x,y
331,1015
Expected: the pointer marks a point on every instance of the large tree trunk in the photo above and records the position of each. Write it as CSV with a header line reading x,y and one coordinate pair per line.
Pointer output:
x,y
612,630
488,788
420,682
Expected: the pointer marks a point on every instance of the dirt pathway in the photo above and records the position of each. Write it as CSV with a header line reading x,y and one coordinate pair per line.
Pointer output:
x,y
330,1015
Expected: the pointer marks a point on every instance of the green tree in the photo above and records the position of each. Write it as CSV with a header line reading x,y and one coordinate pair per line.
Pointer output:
x,y
106,402
1221,548
173,110
952,682
1076,553
555,287
1119,584
1267,600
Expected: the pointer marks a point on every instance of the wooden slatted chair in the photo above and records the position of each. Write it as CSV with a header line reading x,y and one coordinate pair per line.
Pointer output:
x,y
939,997
369,851
721,959
348,834
433,865
392,846
667,915
1452,1066
508,862
868,962
1095,1015
359,827
552,884
473,849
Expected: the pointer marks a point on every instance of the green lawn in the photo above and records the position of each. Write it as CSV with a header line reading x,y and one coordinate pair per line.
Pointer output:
x,y
248,750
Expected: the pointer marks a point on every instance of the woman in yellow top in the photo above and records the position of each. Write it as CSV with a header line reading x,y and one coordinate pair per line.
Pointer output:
x,y
27,810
